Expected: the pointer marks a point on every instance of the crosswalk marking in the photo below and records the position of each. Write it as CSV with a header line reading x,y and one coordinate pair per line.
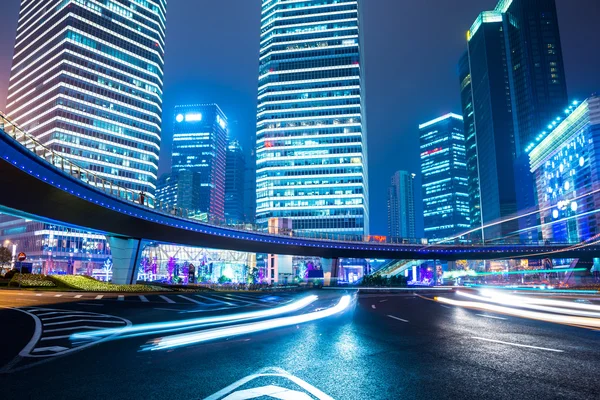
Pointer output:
x,y
121,297
190,299
39,294
82,320
99,296
73,315
78,296
58,295
165,298
216,300
71,328
236,299
143,298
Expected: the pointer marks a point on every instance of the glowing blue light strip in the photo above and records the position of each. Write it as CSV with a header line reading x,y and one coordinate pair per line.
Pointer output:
x,y
162,326
170,342
440,119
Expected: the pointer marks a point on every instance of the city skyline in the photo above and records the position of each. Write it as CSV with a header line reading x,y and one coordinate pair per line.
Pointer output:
x,y
234,82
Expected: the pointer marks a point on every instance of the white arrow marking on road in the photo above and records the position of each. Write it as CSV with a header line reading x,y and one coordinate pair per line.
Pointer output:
x,y
271,391
231,393
54,349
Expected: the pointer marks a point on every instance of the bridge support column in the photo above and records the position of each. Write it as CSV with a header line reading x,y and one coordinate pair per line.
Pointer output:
x,y
126,253
331,267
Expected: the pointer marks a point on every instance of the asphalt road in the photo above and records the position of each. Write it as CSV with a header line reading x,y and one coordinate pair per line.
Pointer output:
x,y
384,346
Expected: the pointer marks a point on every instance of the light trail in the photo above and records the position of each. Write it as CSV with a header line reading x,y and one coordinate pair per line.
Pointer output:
x,y
162,327
510,219
515,301
554,318
536,300
186,339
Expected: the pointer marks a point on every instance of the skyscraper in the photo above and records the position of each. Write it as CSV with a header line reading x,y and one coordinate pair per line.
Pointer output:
x,y
466,98
518,85
444,177
200,145
493,120
311,144
87,81
401,206
235,175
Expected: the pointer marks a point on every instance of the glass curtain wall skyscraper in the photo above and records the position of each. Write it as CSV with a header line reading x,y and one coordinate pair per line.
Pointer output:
x,y
493,120
234,182
401,206
466,98
87,80
311,144
200,145
444,177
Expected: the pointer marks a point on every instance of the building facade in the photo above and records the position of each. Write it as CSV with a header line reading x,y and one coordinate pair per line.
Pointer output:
x,y
311,143
179,189
87,80
235,176
493,120
401,206
566,163
200,145
444,177
466,99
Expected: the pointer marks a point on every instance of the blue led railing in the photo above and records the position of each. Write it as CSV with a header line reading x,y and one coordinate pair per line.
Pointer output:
x,y
62,163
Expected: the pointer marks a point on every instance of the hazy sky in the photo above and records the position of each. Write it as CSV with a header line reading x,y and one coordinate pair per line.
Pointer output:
x,y
412,48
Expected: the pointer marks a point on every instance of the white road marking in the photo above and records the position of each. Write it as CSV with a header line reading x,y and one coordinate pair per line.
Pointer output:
x,y
213,299
120,297
165,298
90,304
445,306
58,295
230,392
99,297
78,296
238,299
398,319
516,344
268,391
70,328
77,314
189,299
383,301
52,349
39,294
55,337
373,306
143,298
83,320
491,316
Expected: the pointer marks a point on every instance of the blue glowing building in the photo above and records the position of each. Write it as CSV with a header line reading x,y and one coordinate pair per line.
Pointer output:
x,y
565,162
444,177
200,145
311,144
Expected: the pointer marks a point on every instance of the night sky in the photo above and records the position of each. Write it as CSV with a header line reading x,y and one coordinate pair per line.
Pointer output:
x,y
412,48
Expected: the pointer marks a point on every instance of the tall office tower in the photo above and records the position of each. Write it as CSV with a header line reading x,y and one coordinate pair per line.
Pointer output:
x,y
444,177
493,120
401,206
466,98
538,85
87,81
179,189
200,145
311,143
235,177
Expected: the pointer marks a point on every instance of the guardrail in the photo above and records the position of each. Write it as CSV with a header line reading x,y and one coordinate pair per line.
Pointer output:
x,y
62,163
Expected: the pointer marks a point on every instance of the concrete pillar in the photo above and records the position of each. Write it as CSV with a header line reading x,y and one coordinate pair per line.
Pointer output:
x,y
330,270
126,253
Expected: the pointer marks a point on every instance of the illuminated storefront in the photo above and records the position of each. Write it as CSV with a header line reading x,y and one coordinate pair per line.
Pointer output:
x,y
564,160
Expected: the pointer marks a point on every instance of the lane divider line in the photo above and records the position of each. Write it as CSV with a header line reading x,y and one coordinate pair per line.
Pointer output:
x,y
491,316
516,344
398,319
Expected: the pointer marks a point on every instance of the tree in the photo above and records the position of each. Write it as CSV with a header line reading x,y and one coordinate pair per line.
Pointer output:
x,y
5,256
